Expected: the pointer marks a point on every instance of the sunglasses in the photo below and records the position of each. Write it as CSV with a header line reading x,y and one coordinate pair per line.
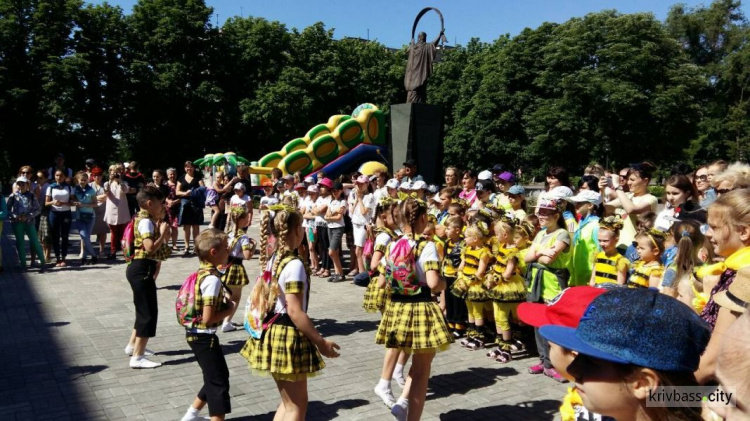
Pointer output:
x,y
701,177
27,172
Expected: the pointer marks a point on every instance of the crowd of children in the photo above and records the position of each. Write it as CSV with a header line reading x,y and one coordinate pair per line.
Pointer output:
x,y
617,296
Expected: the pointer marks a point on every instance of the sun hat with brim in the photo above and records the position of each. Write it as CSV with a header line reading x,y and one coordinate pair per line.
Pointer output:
x,y
517,190
312,189
737,297
565,309
363,179
22,179
640,326
485,175
325,182
589,196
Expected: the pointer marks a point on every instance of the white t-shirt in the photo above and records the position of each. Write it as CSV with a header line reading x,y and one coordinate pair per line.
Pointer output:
x,y
336,206
268,200
210,287
429,254
322,201
243,242
357,217
663,221
241,201
294,271
304,205
61,193
379,194
145,226
381,241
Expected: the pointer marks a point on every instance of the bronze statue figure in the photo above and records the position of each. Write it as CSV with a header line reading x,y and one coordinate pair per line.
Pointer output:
x,y
419,66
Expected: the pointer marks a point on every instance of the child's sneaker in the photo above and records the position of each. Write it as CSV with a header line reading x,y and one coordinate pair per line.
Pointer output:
x,y
142,362
554,375
537,369
400,410
386,395
228,327
146,352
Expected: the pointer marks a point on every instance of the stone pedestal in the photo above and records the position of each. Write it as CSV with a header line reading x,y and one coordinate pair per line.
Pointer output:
x,y
417,133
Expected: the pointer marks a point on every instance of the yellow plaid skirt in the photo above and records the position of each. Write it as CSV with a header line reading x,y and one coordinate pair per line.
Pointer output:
x,y
375,298
414,327
236,275
284,353
512,291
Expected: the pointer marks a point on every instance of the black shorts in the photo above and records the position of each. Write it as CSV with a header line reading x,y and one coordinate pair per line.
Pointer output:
x,y
140,274
334,238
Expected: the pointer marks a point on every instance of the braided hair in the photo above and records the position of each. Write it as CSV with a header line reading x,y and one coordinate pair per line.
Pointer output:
x,y
411,210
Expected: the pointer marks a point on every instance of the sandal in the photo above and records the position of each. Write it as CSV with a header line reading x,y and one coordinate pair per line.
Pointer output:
x,y
494,353
475,344
325,274
503,357
517,346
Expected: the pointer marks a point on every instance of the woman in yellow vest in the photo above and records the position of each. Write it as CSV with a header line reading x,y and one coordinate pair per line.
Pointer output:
x,y
610,267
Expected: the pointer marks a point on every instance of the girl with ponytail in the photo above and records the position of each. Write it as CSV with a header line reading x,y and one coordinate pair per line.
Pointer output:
x,y
412,321
289,350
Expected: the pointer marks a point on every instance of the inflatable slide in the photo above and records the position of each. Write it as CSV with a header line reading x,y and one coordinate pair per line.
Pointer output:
x,y
336,147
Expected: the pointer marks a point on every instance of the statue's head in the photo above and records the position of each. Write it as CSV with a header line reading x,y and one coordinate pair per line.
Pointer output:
x,y
422,37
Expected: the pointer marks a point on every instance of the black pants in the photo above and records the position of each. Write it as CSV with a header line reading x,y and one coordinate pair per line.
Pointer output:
x,y
59,226
323,243
215,390
455,307
140,274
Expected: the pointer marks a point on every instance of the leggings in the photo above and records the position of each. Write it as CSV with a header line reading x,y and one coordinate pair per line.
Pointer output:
x,y
116,231
323,242
542,347
59,225
84,230
19,230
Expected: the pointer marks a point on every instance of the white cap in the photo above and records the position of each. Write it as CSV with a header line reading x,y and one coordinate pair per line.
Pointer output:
x,y
419,185
559,192
309,180
392,183
485,175
405,186
126,164
586,196
22,179
239,186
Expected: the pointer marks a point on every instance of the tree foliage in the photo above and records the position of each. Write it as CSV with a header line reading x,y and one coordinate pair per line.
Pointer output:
x,y
163,85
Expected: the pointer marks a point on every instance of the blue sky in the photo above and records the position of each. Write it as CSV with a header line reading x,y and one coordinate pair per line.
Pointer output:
x,y
390,21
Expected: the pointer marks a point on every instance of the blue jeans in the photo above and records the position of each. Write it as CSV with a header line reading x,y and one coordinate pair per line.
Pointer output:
x,y
84,229
59,225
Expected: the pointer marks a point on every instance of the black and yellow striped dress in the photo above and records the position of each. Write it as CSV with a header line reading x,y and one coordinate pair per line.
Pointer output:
x,y
512,290
606,267
475,289
643,272
415,324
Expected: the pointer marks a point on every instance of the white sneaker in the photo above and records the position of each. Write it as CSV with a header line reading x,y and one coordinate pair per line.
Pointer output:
x,y
400,380
142,362
228,327
191,417
146,352
386,396
400,410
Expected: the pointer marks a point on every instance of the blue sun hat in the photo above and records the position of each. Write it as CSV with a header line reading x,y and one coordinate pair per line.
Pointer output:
x,y
637,326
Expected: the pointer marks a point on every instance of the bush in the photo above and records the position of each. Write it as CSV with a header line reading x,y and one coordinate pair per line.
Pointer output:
x,y
657,191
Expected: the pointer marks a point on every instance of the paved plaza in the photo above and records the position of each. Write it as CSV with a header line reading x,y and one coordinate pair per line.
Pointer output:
x,y
62,357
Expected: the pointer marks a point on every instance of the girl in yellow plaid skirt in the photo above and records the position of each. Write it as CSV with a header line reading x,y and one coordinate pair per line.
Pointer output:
x,y
414,323
241,248
289,349
375,297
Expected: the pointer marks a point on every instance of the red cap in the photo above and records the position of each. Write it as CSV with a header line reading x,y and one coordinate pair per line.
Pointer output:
x,y
267,183
564,310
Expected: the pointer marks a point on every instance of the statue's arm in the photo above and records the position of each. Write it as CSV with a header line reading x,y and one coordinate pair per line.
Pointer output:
x,y
437,40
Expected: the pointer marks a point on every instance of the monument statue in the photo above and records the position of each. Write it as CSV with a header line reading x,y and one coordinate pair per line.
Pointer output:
x,y
419,65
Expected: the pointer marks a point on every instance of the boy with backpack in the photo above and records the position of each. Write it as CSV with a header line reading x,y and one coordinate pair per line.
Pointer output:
x,y
202,303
